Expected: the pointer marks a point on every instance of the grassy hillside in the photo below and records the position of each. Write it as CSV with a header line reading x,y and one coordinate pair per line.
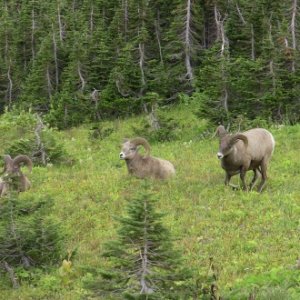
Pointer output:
x,y
247,234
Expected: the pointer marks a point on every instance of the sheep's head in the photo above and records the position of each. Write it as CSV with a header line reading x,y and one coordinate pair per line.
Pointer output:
x,y
130,147
22,159
228,141
13,166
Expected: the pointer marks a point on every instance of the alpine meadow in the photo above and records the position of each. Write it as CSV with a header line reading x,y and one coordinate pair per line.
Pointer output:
x,y
149,149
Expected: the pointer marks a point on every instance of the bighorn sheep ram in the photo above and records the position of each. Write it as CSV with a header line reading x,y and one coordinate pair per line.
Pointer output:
x,y
241,152
13,177
144,166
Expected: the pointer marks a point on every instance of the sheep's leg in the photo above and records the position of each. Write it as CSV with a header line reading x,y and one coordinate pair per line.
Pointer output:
x,y
263,176
227,179
243,178
3,189
254,180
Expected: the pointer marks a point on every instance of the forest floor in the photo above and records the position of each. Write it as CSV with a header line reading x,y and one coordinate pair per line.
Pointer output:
x,y
252,238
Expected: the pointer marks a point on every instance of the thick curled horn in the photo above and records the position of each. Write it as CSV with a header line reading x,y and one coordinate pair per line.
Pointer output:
x,y
143,142
239,136
22,159
220,131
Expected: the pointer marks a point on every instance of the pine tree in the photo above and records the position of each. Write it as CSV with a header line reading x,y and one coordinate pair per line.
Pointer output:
x,y
184,39
28,237
50,51
143,262
39,86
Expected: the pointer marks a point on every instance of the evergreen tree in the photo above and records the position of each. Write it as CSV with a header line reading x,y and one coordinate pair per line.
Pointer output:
x,y
39,86
28,238
183,45
10,67
143,262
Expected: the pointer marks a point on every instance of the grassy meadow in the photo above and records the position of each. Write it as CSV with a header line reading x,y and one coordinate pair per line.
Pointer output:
x,y
253,238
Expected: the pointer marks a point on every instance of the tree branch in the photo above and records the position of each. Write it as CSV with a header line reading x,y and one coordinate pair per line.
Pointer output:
x,y
12,276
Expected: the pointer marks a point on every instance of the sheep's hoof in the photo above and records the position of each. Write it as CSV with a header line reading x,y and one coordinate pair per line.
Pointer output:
x,y
234,187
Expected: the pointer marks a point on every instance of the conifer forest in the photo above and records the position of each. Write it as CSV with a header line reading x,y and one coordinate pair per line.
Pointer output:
x,y
81,60
118,121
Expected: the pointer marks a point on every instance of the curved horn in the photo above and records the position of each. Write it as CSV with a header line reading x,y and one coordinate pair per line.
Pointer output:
x,y
239,136
143,142
22,159
220,131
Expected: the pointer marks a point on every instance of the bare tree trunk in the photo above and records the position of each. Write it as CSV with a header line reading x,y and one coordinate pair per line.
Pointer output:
x,y
73,5
153,119
119,87
224,47
221,30
271,63
92,20
12,276
252,43
145,289
83,83
65,115
125,7
188,41
142,62
240,14
33,27
6,50
40,145
49,85
95,99
157,33
10,85
225,42
293,31
142,55
55,59
289,53
60,26
272,73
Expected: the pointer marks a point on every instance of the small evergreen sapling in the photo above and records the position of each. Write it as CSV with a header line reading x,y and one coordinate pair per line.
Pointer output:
x,y
28,236
143,262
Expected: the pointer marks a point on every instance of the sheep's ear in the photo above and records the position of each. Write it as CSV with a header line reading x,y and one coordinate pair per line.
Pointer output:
x,y
8,161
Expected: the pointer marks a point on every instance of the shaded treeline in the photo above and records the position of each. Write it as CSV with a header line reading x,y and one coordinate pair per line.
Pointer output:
x,y
83,60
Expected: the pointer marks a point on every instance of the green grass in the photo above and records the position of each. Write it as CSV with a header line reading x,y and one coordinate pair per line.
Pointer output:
x,y
246,233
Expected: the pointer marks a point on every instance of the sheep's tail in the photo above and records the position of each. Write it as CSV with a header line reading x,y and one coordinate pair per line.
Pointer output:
x,y
23,159
143,142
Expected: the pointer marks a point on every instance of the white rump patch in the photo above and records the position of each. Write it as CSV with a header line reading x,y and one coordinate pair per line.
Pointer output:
x,y
273,141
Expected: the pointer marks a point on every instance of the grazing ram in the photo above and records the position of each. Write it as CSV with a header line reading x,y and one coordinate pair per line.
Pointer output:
x,y
241,152
144,166
13,177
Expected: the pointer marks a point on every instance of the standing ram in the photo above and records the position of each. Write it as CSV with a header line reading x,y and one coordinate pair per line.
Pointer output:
x,y
241,152
13,177
144,166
